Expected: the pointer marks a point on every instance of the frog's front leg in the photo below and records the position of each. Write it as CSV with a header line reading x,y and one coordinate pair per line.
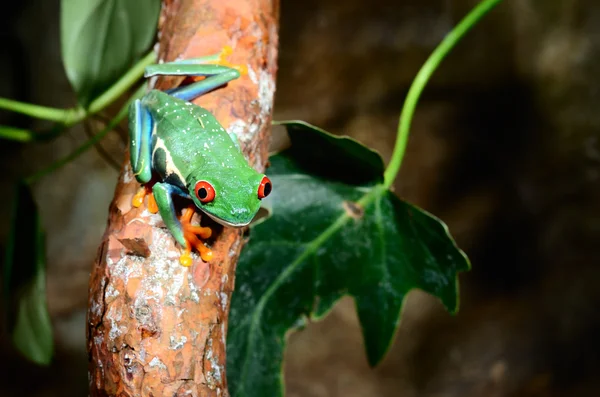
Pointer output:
x,y
182,230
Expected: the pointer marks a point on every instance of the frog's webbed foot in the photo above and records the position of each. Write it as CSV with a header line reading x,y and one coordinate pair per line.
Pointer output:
x,y
138,199
190,234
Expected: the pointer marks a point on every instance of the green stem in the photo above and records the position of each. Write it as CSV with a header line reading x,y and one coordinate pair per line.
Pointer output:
x,y
423,77
16,134
42,112
22,135
69,117
89,143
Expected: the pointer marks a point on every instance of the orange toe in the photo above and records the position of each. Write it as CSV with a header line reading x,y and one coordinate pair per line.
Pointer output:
x,y
152,206
203,232
138,198
186,259
190,234
140,195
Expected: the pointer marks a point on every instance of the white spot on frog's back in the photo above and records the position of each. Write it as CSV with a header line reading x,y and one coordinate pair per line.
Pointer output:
x,y
170,167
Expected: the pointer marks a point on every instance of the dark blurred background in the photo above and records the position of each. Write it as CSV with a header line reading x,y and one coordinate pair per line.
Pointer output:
x,y
504,147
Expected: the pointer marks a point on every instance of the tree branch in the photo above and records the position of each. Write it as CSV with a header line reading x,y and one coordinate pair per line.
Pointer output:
x,y
156,328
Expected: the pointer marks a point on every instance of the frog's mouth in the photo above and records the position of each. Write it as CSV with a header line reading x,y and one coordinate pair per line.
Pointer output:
x,y
226,223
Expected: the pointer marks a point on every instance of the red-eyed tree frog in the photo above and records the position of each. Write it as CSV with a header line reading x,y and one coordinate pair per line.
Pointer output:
x,y
178,148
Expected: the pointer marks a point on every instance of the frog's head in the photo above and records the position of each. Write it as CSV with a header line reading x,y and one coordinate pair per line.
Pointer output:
x,y
231,198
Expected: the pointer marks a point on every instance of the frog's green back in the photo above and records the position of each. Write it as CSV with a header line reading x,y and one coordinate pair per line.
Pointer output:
x,y
191,137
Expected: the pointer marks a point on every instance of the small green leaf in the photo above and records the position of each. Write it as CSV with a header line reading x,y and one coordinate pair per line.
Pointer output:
x,y
25,281
101,39
334,230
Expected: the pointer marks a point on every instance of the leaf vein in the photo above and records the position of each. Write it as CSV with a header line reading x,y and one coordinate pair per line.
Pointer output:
x,y
311,249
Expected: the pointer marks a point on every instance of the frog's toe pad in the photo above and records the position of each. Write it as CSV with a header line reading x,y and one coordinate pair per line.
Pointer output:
x,y
206,254
186,259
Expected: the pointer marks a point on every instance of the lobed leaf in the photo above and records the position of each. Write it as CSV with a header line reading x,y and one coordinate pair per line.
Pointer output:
x,y
334,230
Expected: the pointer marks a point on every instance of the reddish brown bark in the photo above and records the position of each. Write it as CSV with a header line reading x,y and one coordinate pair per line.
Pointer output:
x,y
156,328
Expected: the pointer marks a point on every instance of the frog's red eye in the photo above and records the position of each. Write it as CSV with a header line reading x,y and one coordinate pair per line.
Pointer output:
x,y
264,188
204,191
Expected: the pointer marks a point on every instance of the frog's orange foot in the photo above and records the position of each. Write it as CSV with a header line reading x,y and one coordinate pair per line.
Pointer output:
x,y
138,199
225,53
190,234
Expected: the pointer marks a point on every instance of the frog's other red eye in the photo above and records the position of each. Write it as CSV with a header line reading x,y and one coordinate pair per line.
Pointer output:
x,y
264,188
205,192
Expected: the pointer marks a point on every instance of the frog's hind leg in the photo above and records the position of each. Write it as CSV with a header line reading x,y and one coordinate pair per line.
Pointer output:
x,y
216,70
140,136
183,231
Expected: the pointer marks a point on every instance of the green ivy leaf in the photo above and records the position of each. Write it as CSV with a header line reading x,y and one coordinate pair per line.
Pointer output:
x,y
101,40
25,281
334,230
